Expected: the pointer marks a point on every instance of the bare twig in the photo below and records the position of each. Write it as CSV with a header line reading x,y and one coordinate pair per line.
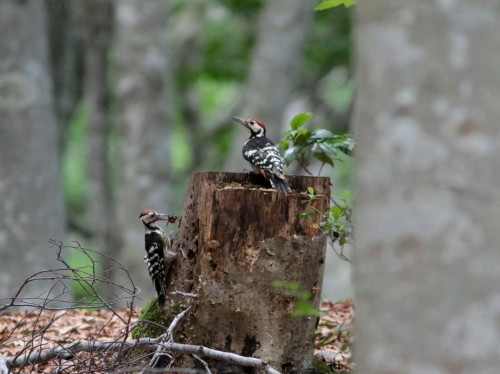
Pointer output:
x,y
175,321
166,338
185,294
203,363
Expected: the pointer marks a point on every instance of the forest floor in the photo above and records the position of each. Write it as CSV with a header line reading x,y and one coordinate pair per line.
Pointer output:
x,y
27,332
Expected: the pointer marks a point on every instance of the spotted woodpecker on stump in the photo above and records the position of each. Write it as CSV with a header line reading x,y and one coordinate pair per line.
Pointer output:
x,y
263,155
158,251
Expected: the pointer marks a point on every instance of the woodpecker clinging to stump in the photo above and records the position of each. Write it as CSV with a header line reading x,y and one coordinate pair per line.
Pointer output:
x,y
158,251
263,155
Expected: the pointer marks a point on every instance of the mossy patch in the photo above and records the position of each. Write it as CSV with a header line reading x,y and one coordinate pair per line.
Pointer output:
x,y
153,321
322,367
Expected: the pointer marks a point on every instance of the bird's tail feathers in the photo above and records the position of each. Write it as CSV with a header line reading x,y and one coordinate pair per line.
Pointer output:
x,y
161,300
279,184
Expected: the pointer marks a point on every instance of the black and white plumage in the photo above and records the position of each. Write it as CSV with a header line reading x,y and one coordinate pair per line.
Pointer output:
x,y
262,154
158,254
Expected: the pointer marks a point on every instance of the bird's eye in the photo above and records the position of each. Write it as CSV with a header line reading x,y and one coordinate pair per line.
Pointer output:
x,y
252,122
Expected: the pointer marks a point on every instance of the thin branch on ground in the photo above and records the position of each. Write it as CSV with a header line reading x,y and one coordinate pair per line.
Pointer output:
x,y
69,350
3,365
185,294
203,363
166,338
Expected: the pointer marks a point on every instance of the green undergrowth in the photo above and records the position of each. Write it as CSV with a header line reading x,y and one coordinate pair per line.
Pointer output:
x,y
153,321
321,367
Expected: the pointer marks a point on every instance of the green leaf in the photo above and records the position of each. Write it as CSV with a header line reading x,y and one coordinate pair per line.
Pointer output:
x,y
318,151
304,308
283,144
304,201
346,145
301,137
310,190
327,4
335,211
293,286
299,120
303,295
290,154
321,134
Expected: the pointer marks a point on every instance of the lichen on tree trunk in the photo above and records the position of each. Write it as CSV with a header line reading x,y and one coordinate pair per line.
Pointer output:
x,y
239,237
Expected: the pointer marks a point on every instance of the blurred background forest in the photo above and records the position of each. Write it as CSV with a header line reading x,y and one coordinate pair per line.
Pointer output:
x,y
109,106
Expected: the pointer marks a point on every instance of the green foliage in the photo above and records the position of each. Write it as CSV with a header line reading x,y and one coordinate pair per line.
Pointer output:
x,y
152,321
74,165
327,4
243,7
302,145
328,46
303,305
336,221
321,367
87,265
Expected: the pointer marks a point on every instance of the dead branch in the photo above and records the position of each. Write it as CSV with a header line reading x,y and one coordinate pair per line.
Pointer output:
x,y
69,350
3,365
203,363
185,294
165,338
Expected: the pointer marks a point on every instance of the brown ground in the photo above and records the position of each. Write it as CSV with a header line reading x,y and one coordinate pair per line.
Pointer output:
x,y
22,333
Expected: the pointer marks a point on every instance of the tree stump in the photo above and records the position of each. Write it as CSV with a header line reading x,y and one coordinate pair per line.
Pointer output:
x,y
239,237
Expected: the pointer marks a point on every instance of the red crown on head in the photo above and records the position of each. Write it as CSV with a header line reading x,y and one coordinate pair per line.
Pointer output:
x,y
146,212
259,122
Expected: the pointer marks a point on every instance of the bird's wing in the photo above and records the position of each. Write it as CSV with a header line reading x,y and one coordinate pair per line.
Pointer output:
x,y
267,158
154,246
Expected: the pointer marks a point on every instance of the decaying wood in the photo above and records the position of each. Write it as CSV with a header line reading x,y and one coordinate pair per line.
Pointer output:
x,y
239,237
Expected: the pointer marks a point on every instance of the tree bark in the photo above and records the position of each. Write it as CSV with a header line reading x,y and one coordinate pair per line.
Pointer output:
x,y
428,198
97,23
143,99
31,204
238,239
66,57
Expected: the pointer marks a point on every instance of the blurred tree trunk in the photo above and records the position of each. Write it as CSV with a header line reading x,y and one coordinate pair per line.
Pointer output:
x,y
273,70
428,209
32,210
66,55
96,18
143,99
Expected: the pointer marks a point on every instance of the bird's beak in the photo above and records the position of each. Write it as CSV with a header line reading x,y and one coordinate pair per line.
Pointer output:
x,y
163,217
241,121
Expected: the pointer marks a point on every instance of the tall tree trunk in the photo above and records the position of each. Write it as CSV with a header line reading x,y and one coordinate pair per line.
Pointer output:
x,y
275,63
428,210
31,206
238,240
66,57
97,20
143,100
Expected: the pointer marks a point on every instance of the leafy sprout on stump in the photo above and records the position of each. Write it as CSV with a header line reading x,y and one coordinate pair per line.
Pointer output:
x,y
303,146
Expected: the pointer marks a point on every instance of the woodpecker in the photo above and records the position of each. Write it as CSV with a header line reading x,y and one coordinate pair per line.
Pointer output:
x,y
158,251
262,154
